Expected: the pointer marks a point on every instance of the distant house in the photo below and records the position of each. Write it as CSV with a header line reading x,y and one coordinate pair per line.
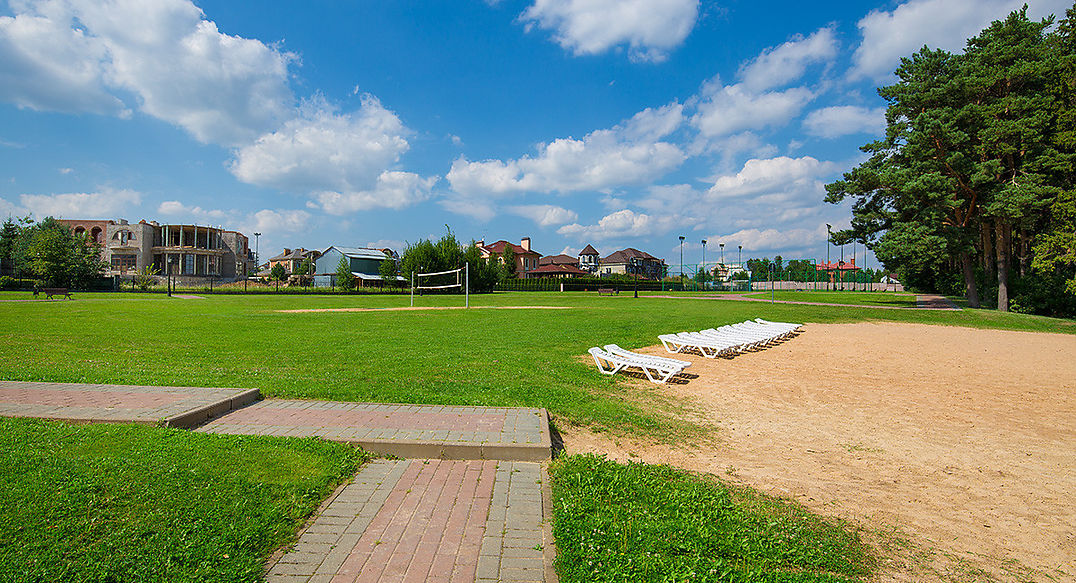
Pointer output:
x,y
631,262
557,266
292,259
526,258
193,253
558,260
589,259
365,264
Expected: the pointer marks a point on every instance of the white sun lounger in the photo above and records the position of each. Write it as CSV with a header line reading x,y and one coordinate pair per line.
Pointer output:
x,y
789,325
657,369
709,347
618,351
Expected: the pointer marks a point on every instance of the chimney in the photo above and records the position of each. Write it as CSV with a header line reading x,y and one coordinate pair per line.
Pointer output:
x,y
525,243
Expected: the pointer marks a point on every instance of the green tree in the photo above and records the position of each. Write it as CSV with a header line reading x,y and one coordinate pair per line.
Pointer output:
x,y
278,273
305,267
56,256
9,236
344,279
485,273
388,271
146,277
420,257
509,258
969,158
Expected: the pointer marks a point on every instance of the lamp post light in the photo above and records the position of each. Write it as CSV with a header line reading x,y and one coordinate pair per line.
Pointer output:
x,y
723,268
704,263
682,262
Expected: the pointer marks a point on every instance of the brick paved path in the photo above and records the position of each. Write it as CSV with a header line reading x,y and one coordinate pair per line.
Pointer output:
x,y
428,520
413,431
168,406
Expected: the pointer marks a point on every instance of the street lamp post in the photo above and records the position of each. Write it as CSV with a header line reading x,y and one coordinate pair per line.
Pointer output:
x,y
841,271
829,238
704,263
723,268
682,262
739,259
257,252
635,268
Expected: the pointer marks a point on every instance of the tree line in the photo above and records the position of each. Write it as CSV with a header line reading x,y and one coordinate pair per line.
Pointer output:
x,y
973,190
446,254
49,253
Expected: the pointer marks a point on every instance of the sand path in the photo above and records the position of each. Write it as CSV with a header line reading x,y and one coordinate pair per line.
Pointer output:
x,y
964,440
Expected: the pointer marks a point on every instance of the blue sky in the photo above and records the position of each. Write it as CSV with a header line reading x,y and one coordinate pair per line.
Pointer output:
x,y
370,123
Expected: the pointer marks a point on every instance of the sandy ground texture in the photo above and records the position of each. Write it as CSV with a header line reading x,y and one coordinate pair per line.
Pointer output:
x,y
424,308
961,443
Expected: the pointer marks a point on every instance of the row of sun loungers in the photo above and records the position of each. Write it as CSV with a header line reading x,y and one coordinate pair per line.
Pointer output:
x,y
730,339
711,343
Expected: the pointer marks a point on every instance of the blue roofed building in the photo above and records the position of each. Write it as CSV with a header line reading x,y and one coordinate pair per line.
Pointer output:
x,y
365,265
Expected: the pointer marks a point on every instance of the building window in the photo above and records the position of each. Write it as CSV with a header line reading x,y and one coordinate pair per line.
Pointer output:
x,y
213,265
188,264
123,262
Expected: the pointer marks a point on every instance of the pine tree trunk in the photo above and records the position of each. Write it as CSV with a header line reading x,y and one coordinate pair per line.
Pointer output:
x,y
972,291
989,261
1025,251
1003,245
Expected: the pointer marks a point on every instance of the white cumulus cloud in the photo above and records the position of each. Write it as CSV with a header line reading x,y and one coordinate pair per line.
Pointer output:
x,y
342,160
843,120
728,109
175,208
394,190
622,224
774,180
163,56
649,28
106,203
756,242
629,153
785,63
889,35
545,215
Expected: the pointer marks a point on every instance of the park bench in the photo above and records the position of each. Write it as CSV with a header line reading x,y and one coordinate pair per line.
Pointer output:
x,y
607,291
55,291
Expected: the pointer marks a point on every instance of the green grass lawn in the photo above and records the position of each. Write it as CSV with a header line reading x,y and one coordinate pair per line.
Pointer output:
x,y
135,503
637,522
860,298
477,357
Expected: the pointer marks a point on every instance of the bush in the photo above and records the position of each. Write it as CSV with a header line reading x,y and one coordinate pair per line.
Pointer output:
x,y
8,282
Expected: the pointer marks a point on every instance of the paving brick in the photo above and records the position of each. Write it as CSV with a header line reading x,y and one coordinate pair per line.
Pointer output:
x,y
432,520
404,430
176,406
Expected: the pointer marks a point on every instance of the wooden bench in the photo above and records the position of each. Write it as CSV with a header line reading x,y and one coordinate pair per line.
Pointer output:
x,y
55,291
607,291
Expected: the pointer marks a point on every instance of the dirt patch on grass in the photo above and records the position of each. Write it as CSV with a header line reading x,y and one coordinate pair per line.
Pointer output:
x,y
425,308
962,441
